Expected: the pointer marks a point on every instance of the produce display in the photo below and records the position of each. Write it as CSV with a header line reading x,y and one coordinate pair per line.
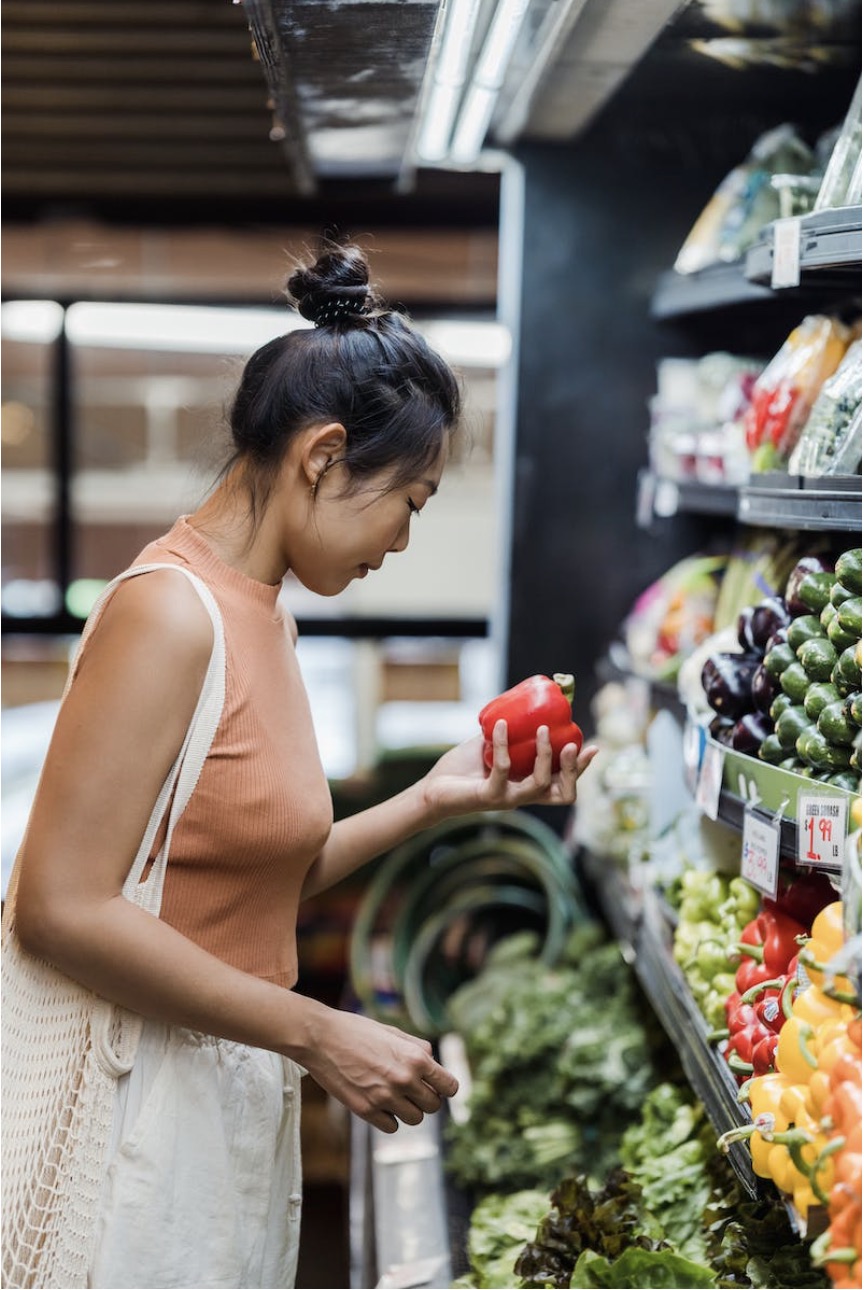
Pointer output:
x,y
830,442
534,702
791,693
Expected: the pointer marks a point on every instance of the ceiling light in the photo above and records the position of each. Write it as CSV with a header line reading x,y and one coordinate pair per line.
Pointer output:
x,y
487,79
448,80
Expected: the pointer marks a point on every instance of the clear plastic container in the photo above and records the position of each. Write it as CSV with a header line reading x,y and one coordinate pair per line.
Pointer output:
x,y
841,183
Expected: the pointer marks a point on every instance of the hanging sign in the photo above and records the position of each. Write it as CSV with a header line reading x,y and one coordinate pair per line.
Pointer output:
x,y
760,851
821,829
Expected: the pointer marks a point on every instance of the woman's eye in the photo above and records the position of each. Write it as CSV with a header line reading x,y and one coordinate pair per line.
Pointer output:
x,y
412,507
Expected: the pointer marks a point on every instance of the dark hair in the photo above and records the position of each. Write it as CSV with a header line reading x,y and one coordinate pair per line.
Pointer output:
x,y
362,364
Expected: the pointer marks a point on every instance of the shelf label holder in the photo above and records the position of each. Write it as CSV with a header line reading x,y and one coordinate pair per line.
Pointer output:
x,y
710,780
821,829
786,262
760,850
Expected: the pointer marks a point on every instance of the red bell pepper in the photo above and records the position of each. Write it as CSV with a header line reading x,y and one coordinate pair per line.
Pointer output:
x,y
537,701
771,938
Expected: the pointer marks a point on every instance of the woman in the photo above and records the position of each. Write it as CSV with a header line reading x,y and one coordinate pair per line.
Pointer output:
x,y
340,436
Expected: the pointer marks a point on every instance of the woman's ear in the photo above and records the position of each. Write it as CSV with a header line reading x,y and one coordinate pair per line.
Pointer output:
x,y
321,446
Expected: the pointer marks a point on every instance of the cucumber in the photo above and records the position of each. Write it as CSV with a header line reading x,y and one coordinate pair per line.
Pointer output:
x,y
834,724
847,672
791,763
818,697
795,682
853,708
771,750
778,659
818,658
837,634
847,570
814,590
803,629
791,723
839,593
780,704
855,759
826,618
849,616
813,748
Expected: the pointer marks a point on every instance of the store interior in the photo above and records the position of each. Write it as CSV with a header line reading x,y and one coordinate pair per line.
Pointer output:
x,y
618,222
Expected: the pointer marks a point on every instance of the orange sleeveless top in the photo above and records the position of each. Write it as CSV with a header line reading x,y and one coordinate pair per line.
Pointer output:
x,y
261,810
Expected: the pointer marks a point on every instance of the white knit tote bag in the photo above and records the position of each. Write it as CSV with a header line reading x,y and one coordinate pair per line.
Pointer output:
x,y
63,1047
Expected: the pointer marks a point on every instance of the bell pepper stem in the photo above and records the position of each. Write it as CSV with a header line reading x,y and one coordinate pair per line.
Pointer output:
x,y
566,684
715,1036
793,1140
805,1033
830,1148
760,987
743,1094
738,1066
756,952
731,1136
786,997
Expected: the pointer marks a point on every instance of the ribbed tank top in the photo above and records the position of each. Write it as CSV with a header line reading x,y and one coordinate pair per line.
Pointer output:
x,y
261,810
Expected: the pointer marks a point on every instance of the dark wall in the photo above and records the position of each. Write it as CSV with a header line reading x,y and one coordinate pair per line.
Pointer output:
x,y
603,218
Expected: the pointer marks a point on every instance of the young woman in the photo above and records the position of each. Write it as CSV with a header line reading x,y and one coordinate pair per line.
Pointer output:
x,y
340,436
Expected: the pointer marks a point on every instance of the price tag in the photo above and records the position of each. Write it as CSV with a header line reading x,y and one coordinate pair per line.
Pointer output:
x,y
821,829
710,780
786,267
760,851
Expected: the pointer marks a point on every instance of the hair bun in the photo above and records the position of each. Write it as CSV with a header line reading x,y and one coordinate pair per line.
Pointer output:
x,y
333,289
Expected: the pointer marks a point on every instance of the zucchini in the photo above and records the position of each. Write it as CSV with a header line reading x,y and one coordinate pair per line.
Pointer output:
x,y
847,779
795,682
849,616
818,658
803,629
839,637
847,570
791,723
834,724
778,659
813,748
818,697
780,704
839,593
853,708
814,590
771,750
847,672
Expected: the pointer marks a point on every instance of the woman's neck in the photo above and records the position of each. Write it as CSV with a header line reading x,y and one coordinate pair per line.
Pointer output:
x,y
242,540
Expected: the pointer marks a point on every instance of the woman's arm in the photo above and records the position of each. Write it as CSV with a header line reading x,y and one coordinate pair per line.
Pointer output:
x,y
116,737
457,784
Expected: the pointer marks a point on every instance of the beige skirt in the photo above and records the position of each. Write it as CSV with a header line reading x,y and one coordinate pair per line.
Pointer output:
x,y
204,1183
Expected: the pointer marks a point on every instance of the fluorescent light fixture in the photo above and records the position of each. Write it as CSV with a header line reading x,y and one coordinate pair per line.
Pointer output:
x,y
203,329
34,321
470,344
449,77
487,80
198,329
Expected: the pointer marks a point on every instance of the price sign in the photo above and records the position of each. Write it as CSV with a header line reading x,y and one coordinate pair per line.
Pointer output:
x,y
760,851
821,829
710,780
786,266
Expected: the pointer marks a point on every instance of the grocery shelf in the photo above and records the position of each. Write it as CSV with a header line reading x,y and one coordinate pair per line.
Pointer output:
x,y
829,240
772,500
827,504
637,920
715,287
617,665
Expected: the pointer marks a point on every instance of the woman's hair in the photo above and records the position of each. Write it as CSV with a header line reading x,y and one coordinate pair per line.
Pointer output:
x,y
362,364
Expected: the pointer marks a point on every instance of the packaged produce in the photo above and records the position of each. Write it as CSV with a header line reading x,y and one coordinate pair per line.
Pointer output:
x,y
673,615
841,183
695,418
784,394
534,702
745,201
830,442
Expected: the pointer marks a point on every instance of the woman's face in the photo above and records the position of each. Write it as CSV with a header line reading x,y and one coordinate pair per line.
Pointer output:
x,y
348,535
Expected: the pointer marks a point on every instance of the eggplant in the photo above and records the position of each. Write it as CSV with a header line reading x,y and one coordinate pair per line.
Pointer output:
x,y
769,617
727,680
721,729
763,688
780,637
744,628
750,732
806,565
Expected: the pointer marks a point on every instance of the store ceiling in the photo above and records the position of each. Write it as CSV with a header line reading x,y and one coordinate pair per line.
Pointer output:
x,y
207,110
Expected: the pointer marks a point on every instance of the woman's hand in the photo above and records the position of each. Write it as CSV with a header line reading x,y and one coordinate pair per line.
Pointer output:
x,y
460,783
380,1073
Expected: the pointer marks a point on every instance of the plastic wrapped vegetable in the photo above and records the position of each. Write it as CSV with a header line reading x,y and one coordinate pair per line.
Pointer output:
x,y
785,392
841,183
830,443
